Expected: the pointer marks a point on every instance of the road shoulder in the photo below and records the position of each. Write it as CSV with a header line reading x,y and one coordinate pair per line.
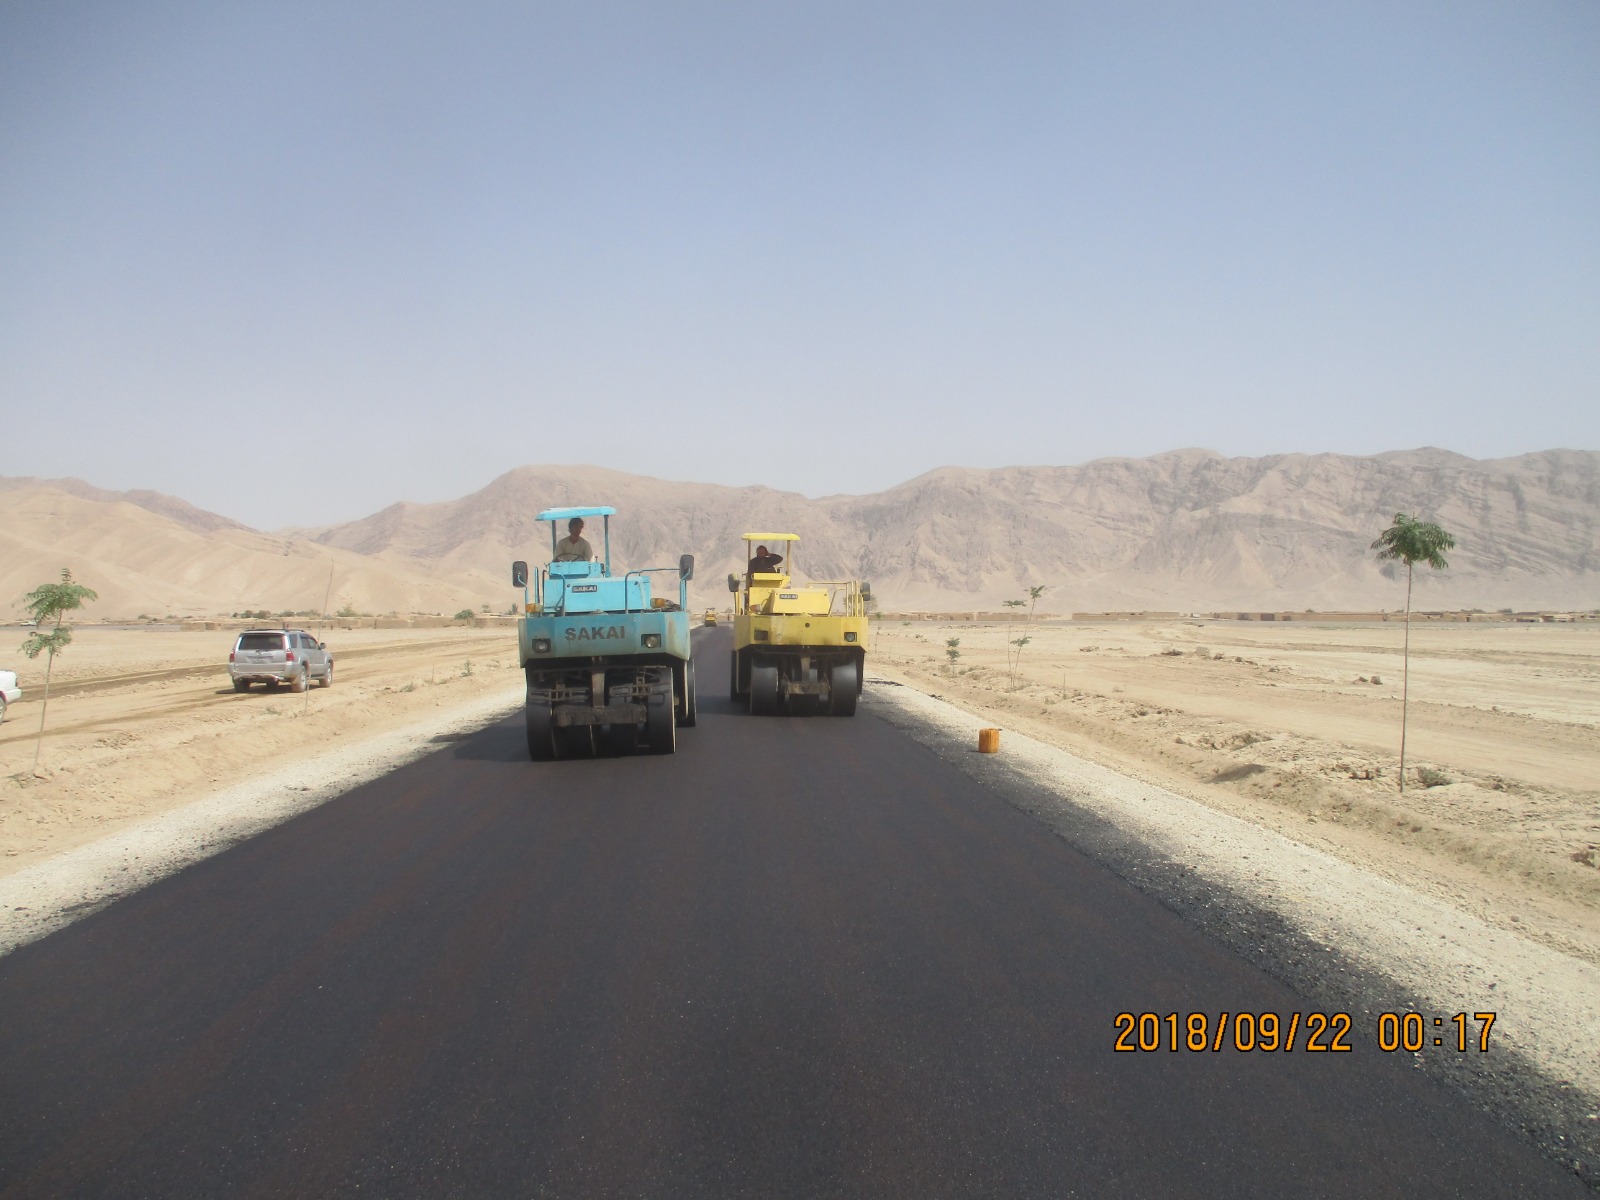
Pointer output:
x,y
1343,937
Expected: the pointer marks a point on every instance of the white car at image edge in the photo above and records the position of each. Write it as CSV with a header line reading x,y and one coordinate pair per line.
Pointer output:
x,y
10,693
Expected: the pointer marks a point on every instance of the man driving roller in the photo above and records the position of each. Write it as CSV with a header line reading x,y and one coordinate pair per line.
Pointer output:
x,y
574,547
764,561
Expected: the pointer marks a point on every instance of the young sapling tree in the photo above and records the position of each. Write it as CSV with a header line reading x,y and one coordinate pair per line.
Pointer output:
x,y
1411,541
1014,657
50,602
1011,673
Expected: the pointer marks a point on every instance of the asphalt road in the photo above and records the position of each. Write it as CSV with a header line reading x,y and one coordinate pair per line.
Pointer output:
x,y
799,958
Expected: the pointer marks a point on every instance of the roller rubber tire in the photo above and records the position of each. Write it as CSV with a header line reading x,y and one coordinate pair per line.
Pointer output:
x,y
541,734
763,689
661,719
621,740
688,718
577,741
844,683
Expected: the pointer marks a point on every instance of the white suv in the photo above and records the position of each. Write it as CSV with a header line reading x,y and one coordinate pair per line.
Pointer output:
x,y
10,693
274,656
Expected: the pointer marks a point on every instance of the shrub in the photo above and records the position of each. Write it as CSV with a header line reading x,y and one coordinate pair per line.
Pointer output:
x,y
466,614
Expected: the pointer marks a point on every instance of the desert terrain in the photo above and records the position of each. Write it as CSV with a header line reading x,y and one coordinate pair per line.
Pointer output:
x,y
142,721
1296,728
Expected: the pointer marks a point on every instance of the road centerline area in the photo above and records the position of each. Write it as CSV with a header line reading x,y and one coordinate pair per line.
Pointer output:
x,y
800,957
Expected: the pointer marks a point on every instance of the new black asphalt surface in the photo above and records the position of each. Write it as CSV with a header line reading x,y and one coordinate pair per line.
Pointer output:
x,y
802,957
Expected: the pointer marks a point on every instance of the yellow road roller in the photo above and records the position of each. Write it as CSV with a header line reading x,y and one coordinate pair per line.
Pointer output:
x,y
798,648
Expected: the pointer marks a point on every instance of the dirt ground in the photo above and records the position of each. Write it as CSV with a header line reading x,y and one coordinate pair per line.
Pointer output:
x,y
1297,727
144,720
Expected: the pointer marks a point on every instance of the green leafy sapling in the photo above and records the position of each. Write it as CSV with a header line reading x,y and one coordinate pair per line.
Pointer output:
x,y
1014,657
48,604
1411,541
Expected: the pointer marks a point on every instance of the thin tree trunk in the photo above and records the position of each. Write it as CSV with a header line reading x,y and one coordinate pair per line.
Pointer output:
x,y
38,743
1405,682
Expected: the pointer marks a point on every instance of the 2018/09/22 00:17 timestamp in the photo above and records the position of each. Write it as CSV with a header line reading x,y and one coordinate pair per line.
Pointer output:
x,y
1269,1032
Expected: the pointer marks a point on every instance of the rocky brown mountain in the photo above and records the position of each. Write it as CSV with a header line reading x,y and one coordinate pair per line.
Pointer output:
x,y
145,553
1190,530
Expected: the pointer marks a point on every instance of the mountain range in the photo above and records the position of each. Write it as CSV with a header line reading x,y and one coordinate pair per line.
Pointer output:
x,y
1188,530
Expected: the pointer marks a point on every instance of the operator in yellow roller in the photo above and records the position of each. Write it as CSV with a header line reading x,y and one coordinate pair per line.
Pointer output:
x,y
764,560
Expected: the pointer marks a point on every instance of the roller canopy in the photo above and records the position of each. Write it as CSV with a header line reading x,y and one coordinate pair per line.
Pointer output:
x,y
772,537
561,514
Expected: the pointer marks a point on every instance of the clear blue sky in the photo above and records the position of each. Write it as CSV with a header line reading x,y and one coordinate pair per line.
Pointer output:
x,y
296,261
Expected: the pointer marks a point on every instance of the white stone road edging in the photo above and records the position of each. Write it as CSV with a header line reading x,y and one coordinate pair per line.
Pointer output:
x,y
1548,1002
51,894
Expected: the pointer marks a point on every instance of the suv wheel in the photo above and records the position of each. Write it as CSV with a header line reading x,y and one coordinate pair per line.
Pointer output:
x,y
241,685
327,678
298,684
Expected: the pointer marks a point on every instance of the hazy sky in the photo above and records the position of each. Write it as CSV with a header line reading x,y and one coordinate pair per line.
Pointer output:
x,y
296,261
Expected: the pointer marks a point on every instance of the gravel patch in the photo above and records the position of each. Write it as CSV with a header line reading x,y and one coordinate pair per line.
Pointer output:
x,y
1344,938
49,895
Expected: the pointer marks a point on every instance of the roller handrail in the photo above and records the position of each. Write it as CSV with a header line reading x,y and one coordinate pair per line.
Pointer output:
x,y
627,596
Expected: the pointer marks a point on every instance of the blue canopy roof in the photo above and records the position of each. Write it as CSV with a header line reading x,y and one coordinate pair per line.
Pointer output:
x,y
561,514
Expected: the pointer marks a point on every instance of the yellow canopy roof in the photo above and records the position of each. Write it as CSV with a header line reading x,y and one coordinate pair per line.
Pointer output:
x,y
772,537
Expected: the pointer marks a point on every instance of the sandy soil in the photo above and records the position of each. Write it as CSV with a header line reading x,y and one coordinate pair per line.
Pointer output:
x,y
1284,726
144,721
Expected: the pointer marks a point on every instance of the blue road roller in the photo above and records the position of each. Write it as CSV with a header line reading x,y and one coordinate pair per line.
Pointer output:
x,y
607,663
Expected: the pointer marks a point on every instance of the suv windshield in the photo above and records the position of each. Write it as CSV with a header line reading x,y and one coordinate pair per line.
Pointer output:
x,y
261,641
